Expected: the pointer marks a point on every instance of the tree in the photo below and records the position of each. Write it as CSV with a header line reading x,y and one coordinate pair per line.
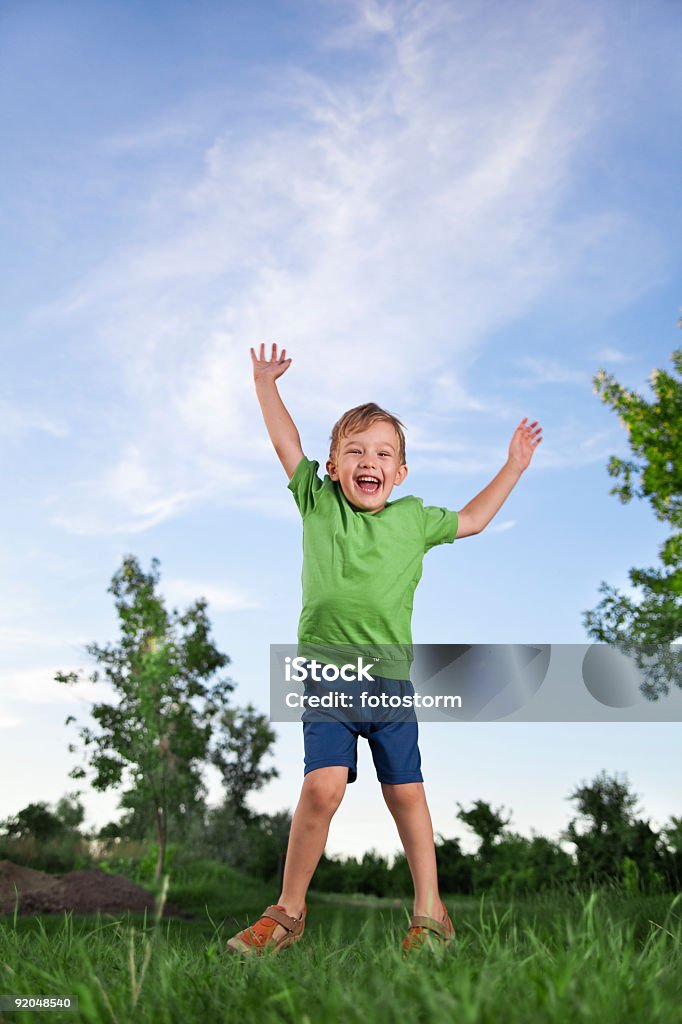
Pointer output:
x,y
245,739
605,814
155,739
35,820
251,845
610,839
455,868
487,824
70,811
518,864
673,834
647,627
672,837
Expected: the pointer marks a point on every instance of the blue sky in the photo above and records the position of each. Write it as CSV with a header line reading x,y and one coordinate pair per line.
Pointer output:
x,y
460,211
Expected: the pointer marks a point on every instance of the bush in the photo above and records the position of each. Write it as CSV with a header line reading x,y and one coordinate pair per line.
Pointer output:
x,y
204,886
455,869
250,844
66,852
371,875
136,860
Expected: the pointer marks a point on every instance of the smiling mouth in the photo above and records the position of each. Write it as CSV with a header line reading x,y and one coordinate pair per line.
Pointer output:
x,y
368,484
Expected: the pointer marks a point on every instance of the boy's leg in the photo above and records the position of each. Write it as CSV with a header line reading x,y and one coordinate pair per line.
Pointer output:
x,y
407,803
330,764
322,792
395,752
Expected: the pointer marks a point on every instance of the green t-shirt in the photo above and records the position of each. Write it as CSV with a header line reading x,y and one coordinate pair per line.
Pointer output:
x,y
360,571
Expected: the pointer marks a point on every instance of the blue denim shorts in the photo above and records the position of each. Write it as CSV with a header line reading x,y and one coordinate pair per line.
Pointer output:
x,y
330,739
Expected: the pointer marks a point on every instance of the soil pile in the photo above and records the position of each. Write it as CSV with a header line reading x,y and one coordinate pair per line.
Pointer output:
x,y
83,892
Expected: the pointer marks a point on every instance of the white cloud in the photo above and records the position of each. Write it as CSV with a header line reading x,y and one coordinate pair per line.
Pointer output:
x,y
506,524
550,371
126,498
368,20
567,448
613,355
220,597
37,685
16,420
9,721
447,391
477,464
18,637
380,226
149,137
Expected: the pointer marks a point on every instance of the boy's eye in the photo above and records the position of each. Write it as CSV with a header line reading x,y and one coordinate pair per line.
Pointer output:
x,y
356,451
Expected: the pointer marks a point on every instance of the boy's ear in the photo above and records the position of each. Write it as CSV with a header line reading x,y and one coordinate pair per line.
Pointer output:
x,y
331,470
400,476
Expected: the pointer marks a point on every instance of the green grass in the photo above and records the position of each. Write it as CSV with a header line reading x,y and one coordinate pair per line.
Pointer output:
x,y
604,957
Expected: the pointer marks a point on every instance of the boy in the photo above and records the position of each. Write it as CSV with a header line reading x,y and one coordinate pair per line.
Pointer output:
x,y
362,562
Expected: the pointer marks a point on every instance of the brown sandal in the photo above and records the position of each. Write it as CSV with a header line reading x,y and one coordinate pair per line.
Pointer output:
x,y
420,926
258,937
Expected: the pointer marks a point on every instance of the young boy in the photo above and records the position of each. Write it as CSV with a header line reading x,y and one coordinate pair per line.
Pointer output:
x,y
362,562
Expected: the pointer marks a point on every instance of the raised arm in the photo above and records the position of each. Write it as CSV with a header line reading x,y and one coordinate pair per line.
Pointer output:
x,y
476,515
281,428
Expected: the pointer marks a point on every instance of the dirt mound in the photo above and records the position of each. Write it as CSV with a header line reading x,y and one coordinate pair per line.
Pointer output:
x,y
83,892
31,886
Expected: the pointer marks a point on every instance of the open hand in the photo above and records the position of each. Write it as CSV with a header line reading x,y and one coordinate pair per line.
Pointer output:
x,y
272,368
525,440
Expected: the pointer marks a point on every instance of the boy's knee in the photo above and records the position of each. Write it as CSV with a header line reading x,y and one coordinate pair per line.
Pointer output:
x,y
406,794
324,789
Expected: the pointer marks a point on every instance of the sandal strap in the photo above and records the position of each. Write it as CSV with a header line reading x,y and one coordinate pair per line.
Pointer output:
x,y
290,923
428,922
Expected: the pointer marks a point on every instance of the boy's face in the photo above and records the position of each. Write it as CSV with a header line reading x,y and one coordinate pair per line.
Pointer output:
x,y
374,452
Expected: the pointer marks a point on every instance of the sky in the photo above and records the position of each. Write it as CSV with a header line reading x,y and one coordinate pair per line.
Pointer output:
x,y
459,210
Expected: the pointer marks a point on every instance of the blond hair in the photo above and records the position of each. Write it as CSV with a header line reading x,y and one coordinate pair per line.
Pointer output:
x,y
362,416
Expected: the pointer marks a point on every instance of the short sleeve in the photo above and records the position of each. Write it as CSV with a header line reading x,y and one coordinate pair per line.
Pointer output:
x,y
440,526
305,485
